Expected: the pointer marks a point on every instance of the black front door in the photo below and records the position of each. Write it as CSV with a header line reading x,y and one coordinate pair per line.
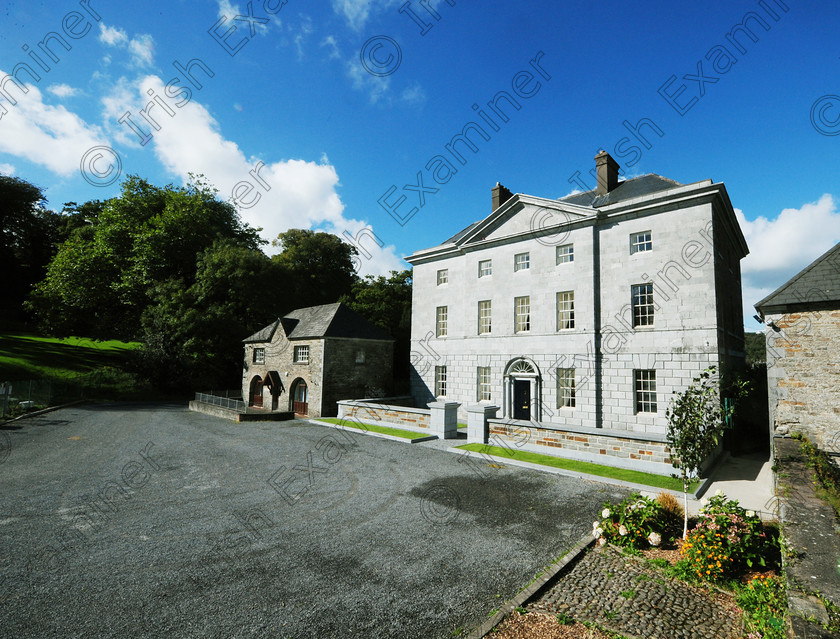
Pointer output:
x,y
521,399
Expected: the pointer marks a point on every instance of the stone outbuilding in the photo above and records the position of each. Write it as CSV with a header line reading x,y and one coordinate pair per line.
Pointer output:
x,y
309,359
802,319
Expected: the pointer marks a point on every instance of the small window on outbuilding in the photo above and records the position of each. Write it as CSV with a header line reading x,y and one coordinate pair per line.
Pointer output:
x,y
360,356
301,354
259,356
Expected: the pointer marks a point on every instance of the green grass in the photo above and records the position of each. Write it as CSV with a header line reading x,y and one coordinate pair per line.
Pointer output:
x,y
25,355
384,430
633,476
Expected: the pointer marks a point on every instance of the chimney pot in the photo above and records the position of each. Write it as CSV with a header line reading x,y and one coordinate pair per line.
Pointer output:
x,y
499,195
607,169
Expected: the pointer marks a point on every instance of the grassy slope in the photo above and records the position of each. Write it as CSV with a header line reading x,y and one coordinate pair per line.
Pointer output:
x,y
26,355
384,430
634,476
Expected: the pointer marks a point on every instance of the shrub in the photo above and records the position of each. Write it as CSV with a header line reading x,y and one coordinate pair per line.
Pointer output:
x,y
765,606
725,539
672,513
636,523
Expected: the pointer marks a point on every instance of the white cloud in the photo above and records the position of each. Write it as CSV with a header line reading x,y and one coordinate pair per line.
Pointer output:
x,y
413,94
7,169
783,246
62,90
357,12
229,11
330,43
302,35
112,36
141,47
300,193
121,97
47,135
376,86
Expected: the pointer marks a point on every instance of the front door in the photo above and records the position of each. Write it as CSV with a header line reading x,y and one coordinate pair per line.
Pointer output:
x,y
301,399
522,399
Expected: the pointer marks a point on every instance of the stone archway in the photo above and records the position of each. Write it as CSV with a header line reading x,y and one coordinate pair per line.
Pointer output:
x,y
522,390
299,397
255,392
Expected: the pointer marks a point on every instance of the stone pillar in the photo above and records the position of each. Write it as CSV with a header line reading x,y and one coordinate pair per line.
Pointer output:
x,y
443,420
478,430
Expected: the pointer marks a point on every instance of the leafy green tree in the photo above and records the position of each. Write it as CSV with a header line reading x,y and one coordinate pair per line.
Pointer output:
x,y
696,421
756,347
100,281
386,302
319,266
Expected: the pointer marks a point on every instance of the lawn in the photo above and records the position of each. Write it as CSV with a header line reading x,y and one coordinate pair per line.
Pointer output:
x,y
634,476
25,355
383,430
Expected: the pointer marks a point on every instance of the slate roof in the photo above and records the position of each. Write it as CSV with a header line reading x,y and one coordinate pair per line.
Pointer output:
x,y
626,190
328,320
816,284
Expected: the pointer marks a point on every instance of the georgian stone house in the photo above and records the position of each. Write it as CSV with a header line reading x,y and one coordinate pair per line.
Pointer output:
x,y
309,359
579,316
802,319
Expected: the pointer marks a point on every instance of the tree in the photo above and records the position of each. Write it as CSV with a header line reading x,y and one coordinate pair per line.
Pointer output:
x,y
319,266
386,302
696,421
756,347
100,280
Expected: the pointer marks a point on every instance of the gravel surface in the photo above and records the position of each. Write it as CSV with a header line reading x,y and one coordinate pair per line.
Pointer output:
x,y
140,520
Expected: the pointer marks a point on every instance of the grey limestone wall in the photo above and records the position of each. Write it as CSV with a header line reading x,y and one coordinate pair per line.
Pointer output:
x,y
355,369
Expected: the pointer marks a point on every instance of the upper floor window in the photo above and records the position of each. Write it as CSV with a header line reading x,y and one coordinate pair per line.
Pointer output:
x,y
522,314
485,315
565,310
642,303
443,276
441,321
440,381
259,356
521,262
644,390
360,356
485,268
301,354
640,242
565,388
565,253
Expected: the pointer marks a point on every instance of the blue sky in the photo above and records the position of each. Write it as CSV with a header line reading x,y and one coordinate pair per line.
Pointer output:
x,y
321,136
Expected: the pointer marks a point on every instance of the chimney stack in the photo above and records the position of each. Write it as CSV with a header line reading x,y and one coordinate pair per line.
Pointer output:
x,y
607,173
500,195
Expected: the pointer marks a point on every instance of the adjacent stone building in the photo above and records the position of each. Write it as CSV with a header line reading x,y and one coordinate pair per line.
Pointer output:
x,y
802,319
309,359
579,316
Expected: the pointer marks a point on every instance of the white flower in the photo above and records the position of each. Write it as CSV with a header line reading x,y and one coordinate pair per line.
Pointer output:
x,y
605,513
750,513
704,501
654,539
718,492
602,541
622,530
597,533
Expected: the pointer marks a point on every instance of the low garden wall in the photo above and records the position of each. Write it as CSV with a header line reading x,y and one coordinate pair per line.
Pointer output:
x,y
623,449
379,412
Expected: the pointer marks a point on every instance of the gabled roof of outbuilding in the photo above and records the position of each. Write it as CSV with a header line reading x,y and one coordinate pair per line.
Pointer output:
x,y
816,284
327,320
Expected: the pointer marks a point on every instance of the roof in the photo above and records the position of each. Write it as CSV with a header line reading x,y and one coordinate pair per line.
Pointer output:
x,y
626,190
816,284
327,320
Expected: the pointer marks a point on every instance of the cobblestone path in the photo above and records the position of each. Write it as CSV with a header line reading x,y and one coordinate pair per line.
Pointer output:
x,y
620,594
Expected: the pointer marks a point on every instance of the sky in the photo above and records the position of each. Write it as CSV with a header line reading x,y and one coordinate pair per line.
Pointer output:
x,y
335,114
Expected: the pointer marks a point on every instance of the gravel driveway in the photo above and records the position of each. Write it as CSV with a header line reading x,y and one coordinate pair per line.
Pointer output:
x,y
147,520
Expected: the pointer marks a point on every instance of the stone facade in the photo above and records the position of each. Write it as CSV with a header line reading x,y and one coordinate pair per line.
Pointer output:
x,y
693,266
314,349
803,374
385,413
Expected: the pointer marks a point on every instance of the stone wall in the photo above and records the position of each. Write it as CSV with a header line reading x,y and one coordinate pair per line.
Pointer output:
x,y
354,369
803,375
385,413
609,448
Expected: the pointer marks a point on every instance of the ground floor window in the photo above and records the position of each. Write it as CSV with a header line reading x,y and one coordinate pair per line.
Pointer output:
x,y
645,390
440,381
484,383
565,388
